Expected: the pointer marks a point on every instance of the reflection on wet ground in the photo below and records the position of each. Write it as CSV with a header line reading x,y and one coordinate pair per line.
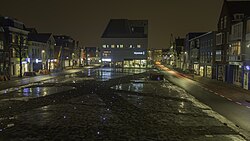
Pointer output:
x,y
83,107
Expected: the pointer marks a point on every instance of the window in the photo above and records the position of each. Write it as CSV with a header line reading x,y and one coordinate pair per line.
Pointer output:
x,y
248,26
1,45
238,16
121,46
117,46
219,39
225,22
106,53
221,23
237,30
112,46
130,46
138,46
197,43
104,46
235,48
218,55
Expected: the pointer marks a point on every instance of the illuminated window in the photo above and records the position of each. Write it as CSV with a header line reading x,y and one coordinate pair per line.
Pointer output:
x,y
13,38
112,46
117,46
235,48
121,46
130,46
104,46
218,55
138,46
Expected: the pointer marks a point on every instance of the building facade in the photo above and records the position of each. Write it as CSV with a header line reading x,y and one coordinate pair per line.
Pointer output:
x,y
15,44
239,52
41,51
64,51
3,56
92,56
188,64
231,13
207,55
124,43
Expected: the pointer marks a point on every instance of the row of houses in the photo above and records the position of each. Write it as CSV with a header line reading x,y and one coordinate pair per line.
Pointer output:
x,y
223,54
24,49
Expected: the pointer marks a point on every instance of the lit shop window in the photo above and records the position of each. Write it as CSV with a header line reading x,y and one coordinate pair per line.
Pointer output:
x,y
121,46
138,46
130,46
104,46
112,46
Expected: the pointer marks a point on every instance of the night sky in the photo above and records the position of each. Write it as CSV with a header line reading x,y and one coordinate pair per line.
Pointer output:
x,y
85,20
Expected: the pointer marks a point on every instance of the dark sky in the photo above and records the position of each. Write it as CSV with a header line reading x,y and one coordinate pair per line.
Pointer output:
x,y
85,20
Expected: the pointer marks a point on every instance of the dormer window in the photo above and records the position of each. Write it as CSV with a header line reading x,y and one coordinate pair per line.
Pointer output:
x,y
238,16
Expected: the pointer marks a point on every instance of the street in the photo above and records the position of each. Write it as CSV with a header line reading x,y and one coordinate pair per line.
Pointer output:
x,y
108,104
235,112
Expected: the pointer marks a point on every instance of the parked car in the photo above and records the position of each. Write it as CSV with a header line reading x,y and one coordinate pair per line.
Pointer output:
x,y
29,74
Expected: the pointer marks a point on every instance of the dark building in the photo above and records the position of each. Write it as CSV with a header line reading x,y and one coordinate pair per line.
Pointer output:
x,y
188,48
231,13
239,53
207,54
15,46
3,53
124,43
92,55
64,50
179,52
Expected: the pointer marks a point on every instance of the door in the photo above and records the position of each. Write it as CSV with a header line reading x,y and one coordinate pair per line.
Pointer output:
x,y
245,85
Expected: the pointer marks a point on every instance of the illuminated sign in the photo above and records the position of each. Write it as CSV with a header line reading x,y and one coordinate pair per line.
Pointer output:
x,y
38,61
248,68
106,60
139,53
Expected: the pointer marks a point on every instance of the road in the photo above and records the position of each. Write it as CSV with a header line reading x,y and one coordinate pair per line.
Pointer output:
x,y
108,104
238,114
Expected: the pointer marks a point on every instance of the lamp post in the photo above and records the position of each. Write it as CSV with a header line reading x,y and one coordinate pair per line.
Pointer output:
x,y
49,56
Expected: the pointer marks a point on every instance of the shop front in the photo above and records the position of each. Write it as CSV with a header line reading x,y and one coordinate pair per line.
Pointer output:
x,y
135,64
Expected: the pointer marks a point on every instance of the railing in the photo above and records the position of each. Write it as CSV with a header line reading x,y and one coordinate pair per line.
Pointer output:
x,y
233,58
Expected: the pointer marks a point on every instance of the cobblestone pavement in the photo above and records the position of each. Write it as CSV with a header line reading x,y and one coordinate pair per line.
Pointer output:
x,y
108,105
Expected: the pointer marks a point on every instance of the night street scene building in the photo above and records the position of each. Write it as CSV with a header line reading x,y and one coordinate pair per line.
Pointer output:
x,y
124,43
115,74
92,56
15,44
231,13
41,51
187,49
64,51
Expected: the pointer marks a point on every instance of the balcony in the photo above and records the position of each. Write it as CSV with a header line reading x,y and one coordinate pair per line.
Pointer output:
x,y
235,58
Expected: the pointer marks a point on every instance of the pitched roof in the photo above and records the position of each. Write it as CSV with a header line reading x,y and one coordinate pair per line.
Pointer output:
x,y
32,30
238,7
121,28
40,37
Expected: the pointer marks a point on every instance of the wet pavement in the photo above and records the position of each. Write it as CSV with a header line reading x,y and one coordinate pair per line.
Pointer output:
x,y
108,104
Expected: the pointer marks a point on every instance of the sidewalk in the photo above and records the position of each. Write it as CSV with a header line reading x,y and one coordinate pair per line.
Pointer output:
x,y
229,91
17,81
